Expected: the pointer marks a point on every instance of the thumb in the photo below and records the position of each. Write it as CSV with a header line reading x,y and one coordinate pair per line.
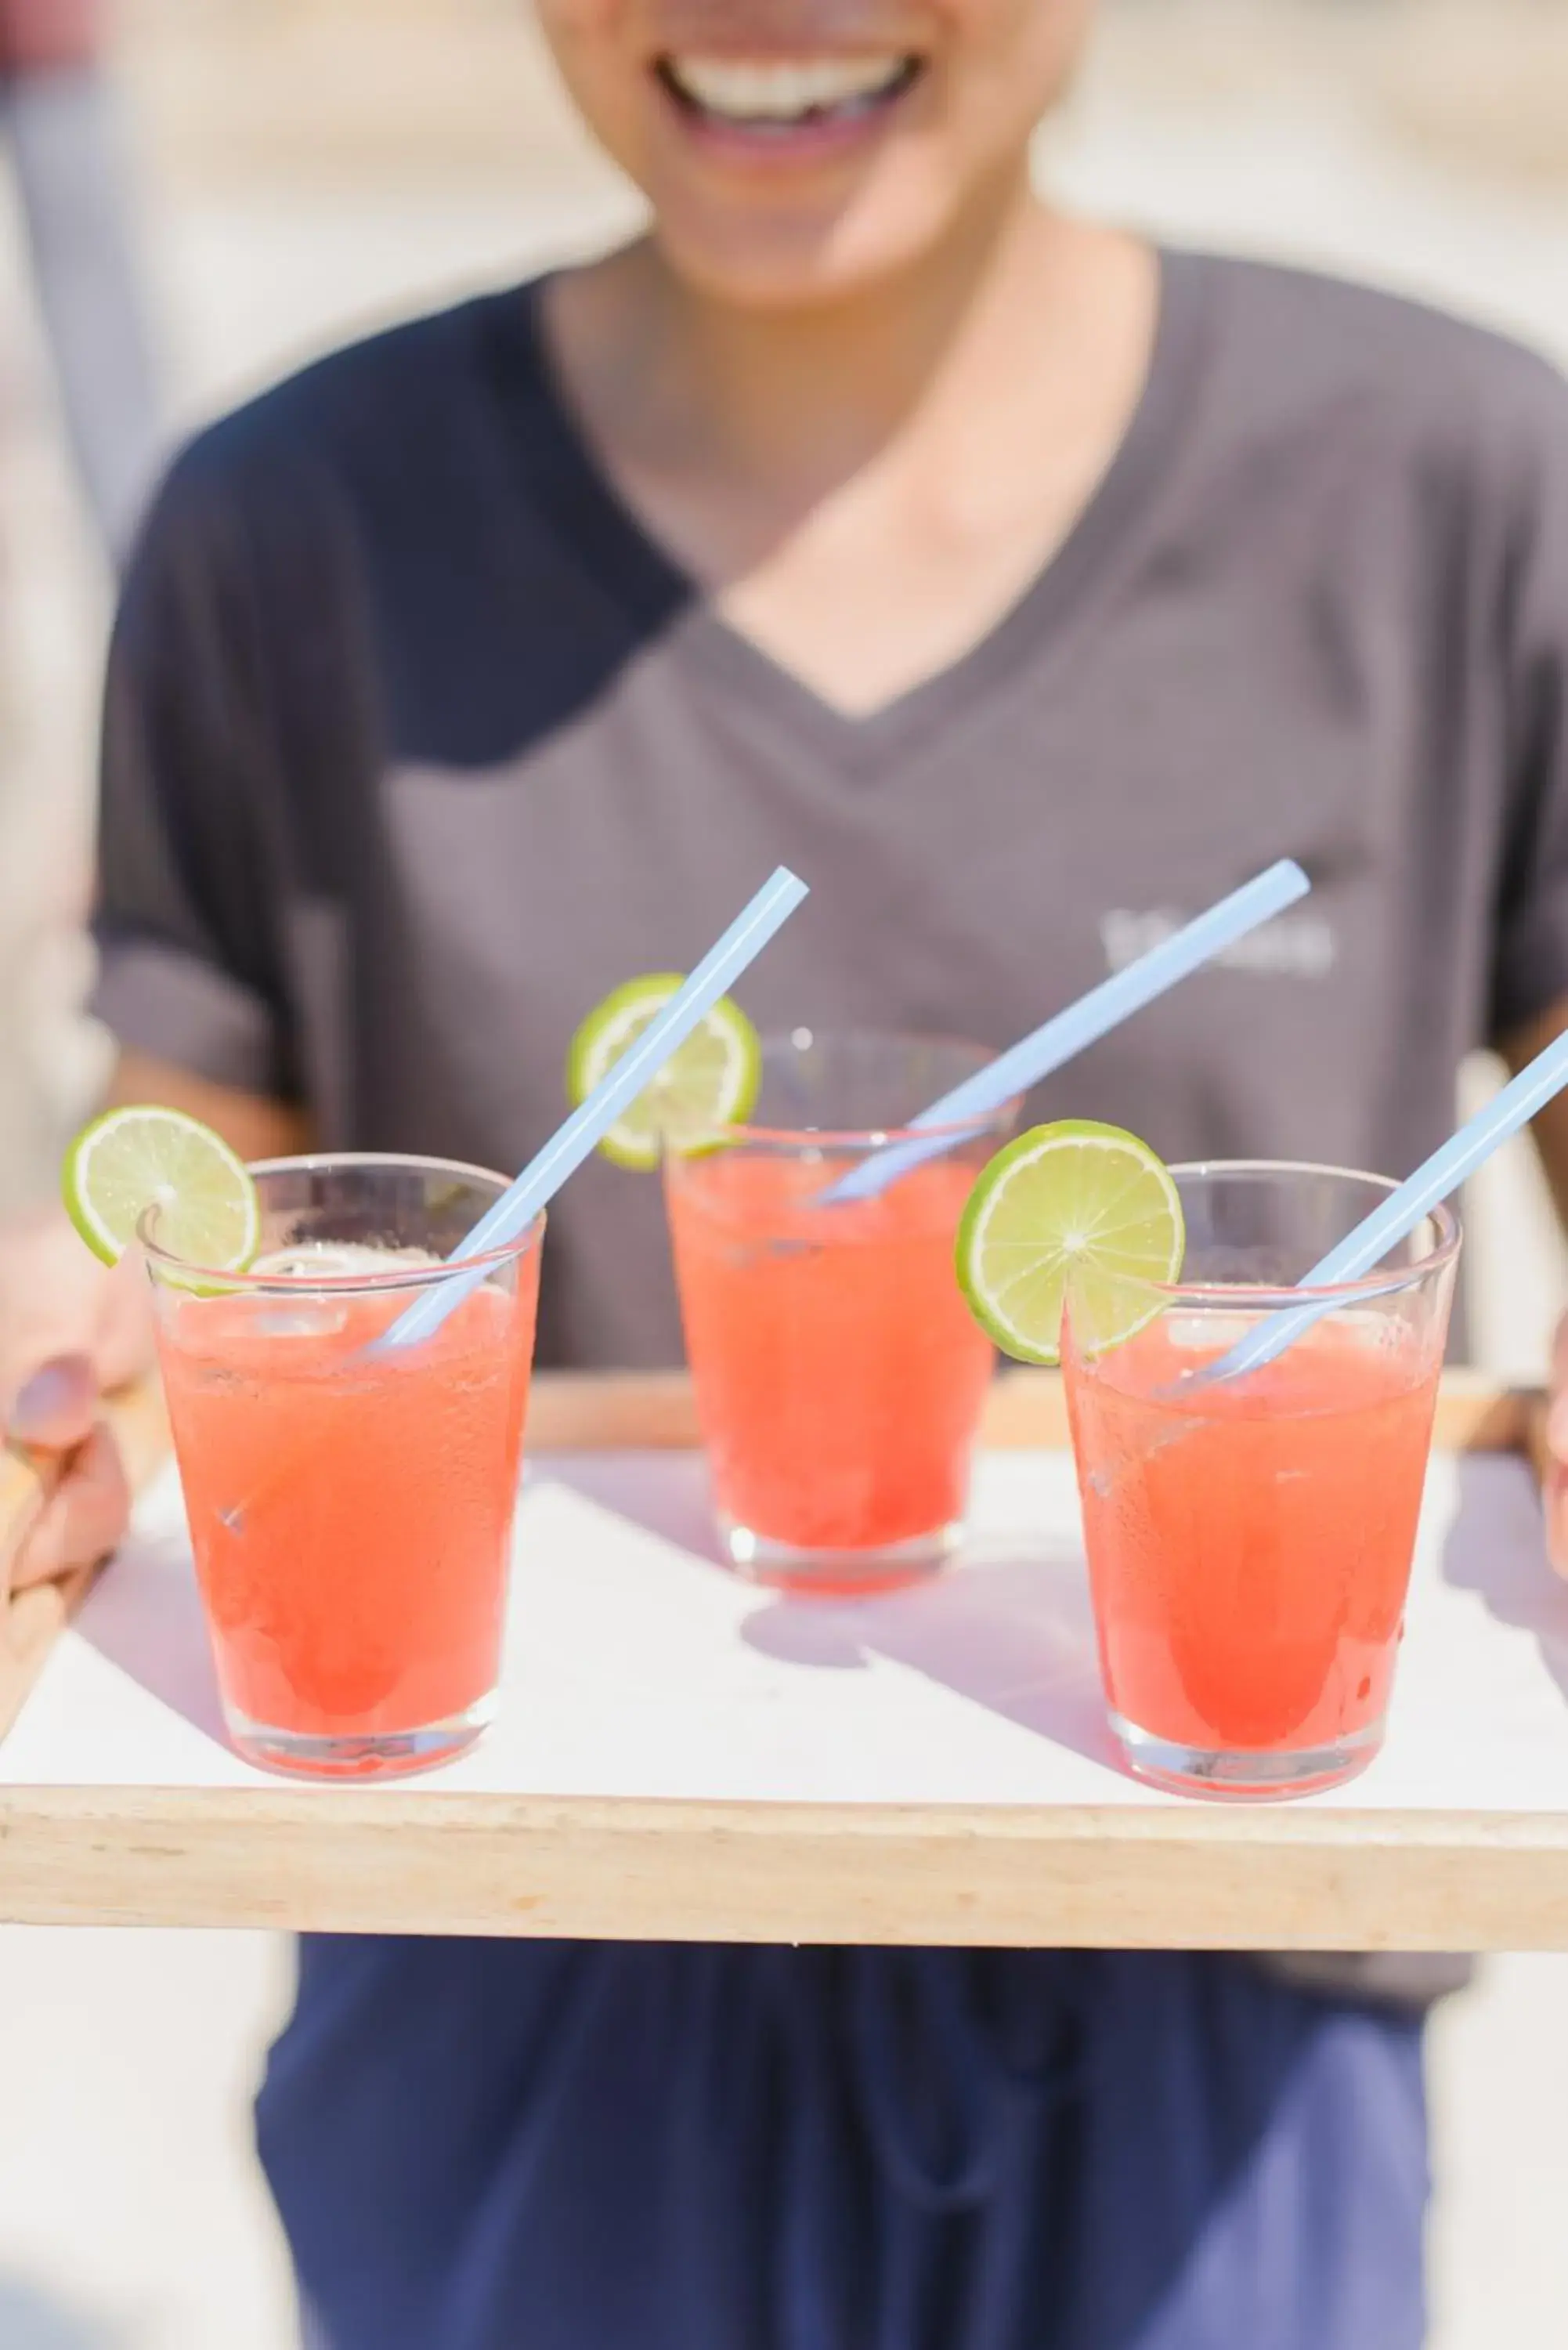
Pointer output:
x,y
1546,1443
1554,1512
55,1408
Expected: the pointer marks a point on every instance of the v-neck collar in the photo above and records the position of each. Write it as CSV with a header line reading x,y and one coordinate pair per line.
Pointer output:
x,y
601,531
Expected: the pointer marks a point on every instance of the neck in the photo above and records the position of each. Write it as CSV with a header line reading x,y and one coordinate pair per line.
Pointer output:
x,y
804,397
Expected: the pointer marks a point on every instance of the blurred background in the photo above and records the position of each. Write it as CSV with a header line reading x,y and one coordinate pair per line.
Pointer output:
x,y
282,174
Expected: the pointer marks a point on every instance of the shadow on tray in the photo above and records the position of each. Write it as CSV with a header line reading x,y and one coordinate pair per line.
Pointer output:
x,y
1010,1630
145,1616
1496,1548
1012,1633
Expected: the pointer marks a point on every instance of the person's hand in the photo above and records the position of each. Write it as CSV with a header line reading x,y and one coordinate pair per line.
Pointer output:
x,y
69,1328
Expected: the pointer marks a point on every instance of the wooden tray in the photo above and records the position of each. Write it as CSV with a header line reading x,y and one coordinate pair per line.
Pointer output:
x,y
682,1756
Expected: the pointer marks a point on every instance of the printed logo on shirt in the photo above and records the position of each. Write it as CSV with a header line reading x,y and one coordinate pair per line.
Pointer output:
x,y
1293,946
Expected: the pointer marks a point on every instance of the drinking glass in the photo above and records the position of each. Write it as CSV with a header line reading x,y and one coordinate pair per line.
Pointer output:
x,y
839,1379
350,1506
1249,1538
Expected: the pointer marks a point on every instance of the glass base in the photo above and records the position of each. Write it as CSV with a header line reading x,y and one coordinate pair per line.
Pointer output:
x,y
1243,1775
837,1573
390,1754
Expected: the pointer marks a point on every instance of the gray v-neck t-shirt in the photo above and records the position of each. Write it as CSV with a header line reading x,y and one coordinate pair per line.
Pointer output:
x,y
416,746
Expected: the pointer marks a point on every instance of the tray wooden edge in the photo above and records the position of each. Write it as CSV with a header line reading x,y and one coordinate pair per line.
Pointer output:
x,y
337,1860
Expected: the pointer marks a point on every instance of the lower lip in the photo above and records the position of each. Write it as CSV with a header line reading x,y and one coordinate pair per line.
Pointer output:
x,y
775,145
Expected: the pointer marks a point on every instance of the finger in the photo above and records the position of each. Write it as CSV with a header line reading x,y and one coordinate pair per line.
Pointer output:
x,y
83,1521
1555,1502
56,1298
55,1409
51,1294
1557,1416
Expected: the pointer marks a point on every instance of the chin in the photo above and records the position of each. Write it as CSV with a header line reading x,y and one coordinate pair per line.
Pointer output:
x,y
801,262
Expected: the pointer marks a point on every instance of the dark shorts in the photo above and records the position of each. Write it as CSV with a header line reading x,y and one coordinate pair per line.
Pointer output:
x,y
495,2145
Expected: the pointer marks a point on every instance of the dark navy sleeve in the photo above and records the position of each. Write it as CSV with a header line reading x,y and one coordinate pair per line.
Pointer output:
x,y
1530,959
185,920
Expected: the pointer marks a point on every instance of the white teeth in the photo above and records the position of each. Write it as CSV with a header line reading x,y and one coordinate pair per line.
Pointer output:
x,y
784,89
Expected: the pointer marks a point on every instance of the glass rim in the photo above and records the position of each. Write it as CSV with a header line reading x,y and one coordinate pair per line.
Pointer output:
x,y
868,1138
345,1285
1379,1283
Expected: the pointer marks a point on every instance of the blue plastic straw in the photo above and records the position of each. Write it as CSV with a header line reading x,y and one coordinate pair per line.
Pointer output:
x,y
1397,1217
1083,1024
611,1099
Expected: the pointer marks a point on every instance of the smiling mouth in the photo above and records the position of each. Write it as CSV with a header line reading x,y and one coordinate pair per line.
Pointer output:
x,y
775,96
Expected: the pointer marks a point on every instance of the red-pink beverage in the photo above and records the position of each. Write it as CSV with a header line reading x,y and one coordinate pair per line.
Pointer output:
x,y
1249,1538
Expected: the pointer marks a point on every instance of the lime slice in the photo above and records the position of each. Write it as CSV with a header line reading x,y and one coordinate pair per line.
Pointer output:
x,y
1074,1205
707,1084
132,1160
